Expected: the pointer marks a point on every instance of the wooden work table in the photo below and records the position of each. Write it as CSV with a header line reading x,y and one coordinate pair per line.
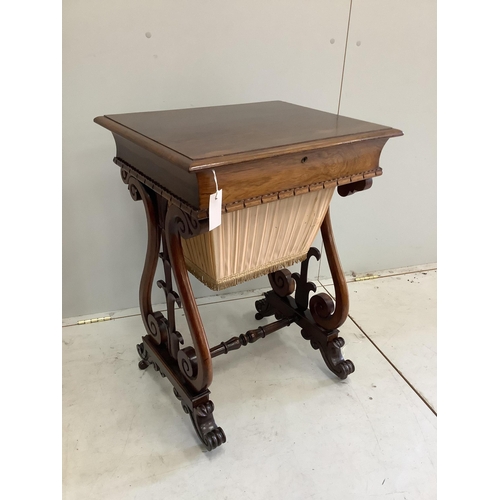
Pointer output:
x,y
257,153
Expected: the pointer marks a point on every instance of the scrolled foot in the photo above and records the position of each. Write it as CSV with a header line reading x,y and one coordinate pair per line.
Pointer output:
x,y
344,369
214,438
331,351
210,434
332,354
264,309
204,424
143,364
143,354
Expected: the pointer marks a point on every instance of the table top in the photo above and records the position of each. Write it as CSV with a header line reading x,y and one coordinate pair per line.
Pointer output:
x,y
201,138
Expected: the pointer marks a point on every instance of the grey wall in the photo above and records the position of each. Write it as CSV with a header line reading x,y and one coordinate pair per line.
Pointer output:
x,y
235,51
390,78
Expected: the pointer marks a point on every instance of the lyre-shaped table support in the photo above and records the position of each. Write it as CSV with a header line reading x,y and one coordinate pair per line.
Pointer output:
x,y
189,367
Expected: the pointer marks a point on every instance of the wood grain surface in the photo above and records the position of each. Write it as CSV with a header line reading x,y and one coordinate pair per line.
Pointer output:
x,y
258,150
198,138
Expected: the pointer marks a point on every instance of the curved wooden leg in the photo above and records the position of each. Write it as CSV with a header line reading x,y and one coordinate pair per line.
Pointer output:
x,y
154,322
204,424
195,362
326,313
189,369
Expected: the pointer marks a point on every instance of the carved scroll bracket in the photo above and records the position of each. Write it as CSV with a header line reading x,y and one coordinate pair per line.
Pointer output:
x,y
282,282
304,287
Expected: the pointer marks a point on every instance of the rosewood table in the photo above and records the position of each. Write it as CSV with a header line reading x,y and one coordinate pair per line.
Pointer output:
x,y
230,193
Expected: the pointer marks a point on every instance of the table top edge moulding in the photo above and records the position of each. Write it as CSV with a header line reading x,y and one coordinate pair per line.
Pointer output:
x,y
325,146
324,130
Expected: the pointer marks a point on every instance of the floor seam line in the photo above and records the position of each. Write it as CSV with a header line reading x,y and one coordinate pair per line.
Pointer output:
x,y
394,366
387,359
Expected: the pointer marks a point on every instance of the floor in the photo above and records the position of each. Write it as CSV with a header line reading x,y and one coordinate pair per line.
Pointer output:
x,y
293,429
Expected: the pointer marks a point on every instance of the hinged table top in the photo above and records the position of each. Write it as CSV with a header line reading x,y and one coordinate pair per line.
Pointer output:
x,y
201,138
259,152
